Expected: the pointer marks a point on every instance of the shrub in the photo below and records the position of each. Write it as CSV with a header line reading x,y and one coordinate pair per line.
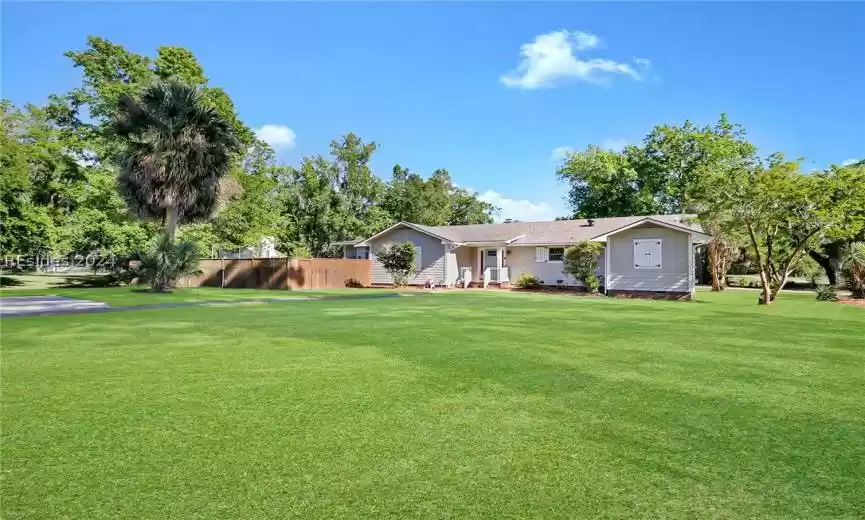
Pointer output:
x,y
399,261
592,282
353,283
827,293
853,269
165,262
527,281
581,262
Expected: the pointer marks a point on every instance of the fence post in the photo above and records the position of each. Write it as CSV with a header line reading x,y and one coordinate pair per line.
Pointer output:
x,y
222,270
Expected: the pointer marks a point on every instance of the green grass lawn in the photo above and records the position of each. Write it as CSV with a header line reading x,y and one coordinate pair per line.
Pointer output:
x,y
452,405
141,295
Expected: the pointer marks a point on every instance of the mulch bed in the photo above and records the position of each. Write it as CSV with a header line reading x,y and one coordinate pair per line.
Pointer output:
x,y
859,302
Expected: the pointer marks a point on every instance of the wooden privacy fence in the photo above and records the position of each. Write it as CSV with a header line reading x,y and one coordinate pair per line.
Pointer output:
x,y
282,273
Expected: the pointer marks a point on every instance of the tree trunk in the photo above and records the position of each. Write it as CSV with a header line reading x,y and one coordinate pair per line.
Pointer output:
x,y
766,281
781,284
171,221
827,264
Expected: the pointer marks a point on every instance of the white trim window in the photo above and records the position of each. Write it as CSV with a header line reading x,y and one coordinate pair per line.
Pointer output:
x,y
555,255
647,253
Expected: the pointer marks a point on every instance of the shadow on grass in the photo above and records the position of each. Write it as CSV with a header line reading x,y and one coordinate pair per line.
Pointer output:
x,y
8,281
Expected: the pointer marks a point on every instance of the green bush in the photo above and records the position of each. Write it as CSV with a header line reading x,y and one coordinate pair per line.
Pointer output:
x,y
527,281
592,283
581,262
399,261
827,293
165,262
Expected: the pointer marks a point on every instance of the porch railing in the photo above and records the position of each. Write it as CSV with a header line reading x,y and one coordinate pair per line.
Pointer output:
x,y
466,277
496,275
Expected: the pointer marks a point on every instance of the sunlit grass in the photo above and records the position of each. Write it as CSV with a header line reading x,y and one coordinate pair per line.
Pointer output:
x,y
448,405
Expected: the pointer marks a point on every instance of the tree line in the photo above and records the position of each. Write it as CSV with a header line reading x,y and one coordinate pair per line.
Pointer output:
x,y
769,208
65,191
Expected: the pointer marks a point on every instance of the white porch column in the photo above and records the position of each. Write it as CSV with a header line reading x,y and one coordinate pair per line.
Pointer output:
x,y
500,256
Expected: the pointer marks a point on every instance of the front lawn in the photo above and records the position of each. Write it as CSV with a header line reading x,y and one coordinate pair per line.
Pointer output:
x,y
451,405
142,295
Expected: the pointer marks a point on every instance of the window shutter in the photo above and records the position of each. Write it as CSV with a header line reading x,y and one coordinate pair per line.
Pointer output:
x,y
418,259
647,254
540,254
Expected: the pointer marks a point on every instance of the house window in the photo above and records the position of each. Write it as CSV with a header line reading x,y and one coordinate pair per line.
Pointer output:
x,y
418,258
647,253
556,254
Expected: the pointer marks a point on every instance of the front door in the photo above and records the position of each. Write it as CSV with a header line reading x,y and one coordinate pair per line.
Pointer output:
x,y
491,262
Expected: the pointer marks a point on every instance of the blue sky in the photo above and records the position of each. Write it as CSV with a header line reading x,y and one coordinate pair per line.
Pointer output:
x,y
488,91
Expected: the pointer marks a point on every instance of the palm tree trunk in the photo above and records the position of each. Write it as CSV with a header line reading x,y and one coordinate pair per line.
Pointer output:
x,y
171,221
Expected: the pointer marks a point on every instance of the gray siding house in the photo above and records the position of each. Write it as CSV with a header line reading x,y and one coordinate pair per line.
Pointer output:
x,y
644,254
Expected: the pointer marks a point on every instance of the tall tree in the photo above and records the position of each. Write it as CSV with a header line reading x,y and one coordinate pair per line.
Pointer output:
x,y
252,213
466,208
313,212
603,183
782,211
177,149
663,176
357,185
849,193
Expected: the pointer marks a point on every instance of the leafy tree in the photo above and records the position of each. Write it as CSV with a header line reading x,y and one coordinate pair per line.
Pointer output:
x,y
312,212
678,159
608,184
581,262
663,176
466,208
849,193
399,261
783,213
434,201
177,149
252,212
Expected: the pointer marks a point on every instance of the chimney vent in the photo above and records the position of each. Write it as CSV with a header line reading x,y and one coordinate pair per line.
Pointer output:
x,y
591,222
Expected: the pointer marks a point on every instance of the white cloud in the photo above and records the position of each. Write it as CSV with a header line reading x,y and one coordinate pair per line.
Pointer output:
x,y
848,162
279,137
643,62
519,209
560,152
550,58
614,145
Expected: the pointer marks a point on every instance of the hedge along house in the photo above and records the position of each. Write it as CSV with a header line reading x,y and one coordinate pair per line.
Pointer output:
x,y
646,255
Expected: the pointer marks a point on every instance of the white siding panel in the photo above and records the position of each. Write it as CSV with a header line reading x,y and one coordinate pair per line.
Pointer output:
x,y
673,275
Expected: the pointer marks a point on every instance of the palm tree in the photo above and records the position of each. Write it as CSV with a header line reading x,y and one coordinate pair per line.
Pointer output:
x,y
177,151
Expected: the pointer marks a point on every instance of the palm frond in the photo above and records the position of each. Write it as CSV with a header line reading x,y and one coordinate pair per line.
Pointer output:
x,y
178,148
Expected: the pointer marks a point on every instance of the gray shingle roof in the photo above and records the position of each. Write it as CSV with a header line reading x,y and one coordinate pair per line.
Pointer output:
x,y
547,232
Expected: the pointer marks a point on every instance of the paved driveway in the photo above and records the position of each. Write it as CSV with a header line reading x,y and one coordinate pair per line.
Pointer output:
x,y
35,305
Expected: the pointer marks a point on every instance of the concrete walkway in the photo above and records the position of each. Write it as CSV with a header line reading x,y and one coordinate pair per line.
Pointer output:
x,y
60,305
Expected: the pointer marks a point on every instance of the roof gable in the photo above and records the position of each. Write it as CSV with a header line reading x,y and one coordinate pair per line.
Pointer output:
x,y
417,227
